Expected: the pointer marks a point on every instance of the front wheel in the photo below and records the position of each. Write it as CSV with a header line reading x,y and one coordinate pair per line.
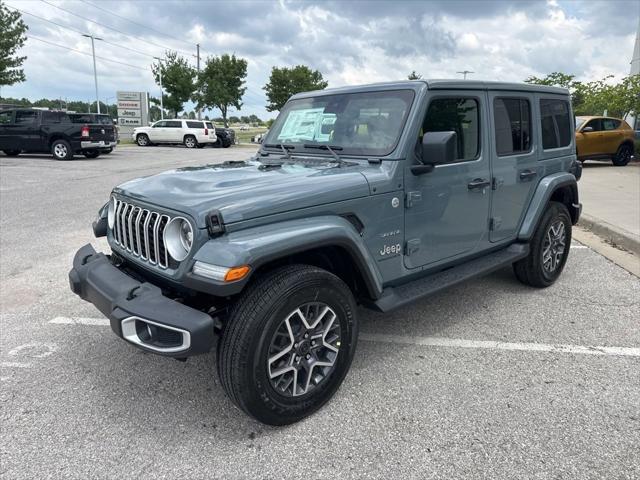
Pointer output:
x,y
143,140
549,248
12,153
622,156
288,344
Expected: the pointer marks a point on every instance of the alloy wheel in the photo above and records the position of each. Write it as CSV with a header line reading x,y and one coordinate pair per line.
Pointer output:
x,y
60,150
303,350
554,246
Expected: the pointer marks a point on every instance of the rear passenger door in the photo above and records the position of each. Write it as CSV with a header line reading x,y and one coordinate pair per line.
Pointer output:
x,y
7,130
612,136
27,130
514,164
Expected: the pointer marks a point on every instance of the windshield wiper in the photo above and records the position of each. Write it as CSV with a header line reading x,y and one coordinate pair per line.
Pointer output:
x,y
330,149
284,147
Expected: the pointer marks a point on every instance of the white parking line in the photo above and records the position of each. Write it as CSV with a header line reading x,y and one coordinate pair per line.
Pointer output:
x,y
494,345
103,322
15,365
573,247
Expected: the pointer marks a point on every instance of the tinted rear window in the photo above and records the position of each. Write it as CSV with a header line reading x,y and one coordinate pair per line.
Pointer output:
x,y
195,125
555,123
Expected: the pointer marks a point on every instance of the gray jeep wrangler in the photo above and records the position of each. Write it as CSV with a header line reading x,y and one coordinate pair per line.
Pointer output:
x,y
371,196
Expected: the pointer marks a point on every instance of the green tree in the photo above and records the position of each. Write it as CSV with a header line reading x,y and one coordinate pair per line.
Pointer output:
x,y
221,84
285,82
12,38
414,76
564,80
178,80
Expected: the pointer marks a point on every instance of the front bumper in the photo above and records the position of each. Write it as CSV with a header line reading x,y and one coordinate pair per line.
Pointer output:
x,y
138,312
98,145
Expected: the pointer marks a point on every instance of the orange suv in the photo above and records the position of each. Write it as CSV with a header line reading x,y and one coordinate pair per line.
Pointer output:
x,y
600,138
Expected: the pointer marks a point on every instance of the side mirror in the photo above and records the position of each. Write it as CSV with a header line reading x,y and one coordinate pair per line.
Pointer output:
x,y
439,148
422,168
586,130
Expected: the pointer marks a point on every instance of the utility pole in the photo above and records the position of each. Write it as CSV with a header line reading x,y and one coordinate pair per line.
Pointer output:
x,y
198,67
161,91
95,72
464,72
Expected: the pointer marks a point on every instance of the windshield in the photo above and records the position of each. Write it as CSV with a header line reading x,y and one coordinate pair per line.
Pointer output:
x,y
367,123
579,122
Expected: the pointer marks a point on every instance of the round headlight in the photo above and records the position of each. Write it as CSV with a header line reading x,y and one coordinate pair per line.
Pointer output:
x,y
111,213
178,238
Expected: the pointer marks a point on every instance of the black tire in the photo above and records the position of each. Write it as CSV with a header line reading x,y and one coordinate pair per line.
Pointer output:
x,y
532,270
108,151
142,139
12,153
226,144
249,333
61,150
622,156
190,141
91,154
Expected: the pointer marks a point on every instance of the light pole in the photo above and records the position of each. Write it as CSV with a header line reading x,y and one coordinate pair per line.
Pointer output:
x,y
161,92
107,103
95,72
464,72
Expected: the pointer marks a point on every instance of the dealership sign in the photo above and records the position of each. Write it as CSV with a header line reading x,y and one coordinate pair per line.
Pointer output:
x,y
133,110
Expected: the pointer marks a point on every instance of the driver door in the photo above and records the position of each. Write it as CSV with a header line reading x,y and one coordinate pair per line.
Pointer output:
x,y
447,212
158,132
591,143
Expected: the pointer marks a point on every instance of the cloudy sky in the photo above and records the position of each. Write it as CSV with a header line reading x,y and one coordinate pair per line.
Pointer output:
x,y
350,42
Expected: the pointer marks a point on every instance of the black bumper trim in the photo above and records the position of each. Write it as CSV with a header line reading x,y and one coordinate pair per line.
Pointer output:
x,y
118,296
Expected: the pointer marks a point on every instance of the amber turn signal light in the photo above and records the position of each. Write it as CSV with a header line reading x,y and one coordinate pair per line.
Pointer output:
x,y
237,273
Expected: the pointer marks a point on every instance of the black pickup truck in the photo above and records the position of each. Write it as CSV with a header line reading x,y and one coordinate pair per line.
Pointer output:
x,y
47,131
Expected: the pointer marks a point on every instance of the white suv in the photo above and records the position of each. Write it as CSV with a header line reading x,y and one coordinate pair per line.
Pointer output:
x,y
191,133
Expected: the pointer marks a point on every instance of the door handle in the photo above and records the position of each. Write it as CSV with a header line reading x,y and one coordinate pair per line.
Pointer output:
x,y
478,183
527,174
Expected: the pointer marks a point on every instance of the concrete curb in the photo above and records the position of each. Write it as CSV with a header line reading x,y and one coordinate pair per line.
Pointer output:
x,y
613,234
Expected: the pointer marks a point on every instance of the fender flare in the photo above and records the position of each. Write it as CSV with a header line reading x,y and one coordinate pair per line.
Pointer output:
x,y
257,246
545,189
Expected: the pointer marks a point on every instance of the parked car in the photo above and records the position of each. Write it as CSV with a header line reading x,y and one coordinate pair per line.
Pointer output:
x,y
190,133
421,185
259,137
42,131
226,137
604,138
98,118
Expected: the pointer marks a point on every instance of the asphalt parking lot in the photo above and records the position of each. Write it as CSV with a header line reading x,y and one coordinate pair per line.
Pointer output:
x,y
490,379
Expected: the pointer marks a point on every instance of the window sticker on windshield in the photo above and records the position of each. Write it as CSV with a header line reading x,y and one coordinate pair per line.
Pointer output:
x,y
301,124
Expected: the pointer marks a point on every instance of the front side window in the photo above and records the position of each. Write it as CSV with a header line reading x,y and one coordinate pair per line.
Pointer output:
x,y
160,124
367,123
6,117
460,115
173,124
595,125
555,123
512,117
26,117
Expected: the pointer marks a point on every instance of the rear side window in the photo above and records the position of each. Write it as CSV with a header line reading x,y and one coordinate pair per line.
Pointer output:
x,y
173,124
512,117
555,123
460,115
209,125
6,117
26,117
610,123
55,117
195,125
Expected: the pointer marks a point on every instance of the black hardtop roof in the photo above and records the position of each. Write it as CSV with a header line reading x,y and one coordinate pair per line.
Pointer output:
x,y
439,84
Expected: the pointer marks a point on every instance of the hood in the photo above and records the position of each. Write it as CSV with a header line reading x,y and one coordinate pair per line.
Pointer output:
x,y
242,190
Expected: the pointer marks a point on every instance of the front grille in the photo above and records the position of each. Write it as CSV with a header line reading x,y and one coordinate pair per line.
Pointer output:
x,y
139,232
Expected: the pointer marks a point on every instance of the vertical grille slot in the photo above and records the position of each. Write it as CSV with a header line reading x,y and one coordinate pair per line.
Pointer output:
x,y
140,232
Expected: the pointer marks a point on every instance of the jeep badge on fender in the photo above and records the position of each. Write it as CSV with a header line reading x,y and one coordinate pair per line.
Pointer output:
x,y
375,195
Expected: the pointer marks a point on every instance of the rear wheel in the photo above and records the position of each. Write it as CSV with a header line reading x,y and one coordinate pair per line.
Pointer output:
x,y
92,154
288,344
549,248
142,140
61,150
12,153
190,141
622,156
